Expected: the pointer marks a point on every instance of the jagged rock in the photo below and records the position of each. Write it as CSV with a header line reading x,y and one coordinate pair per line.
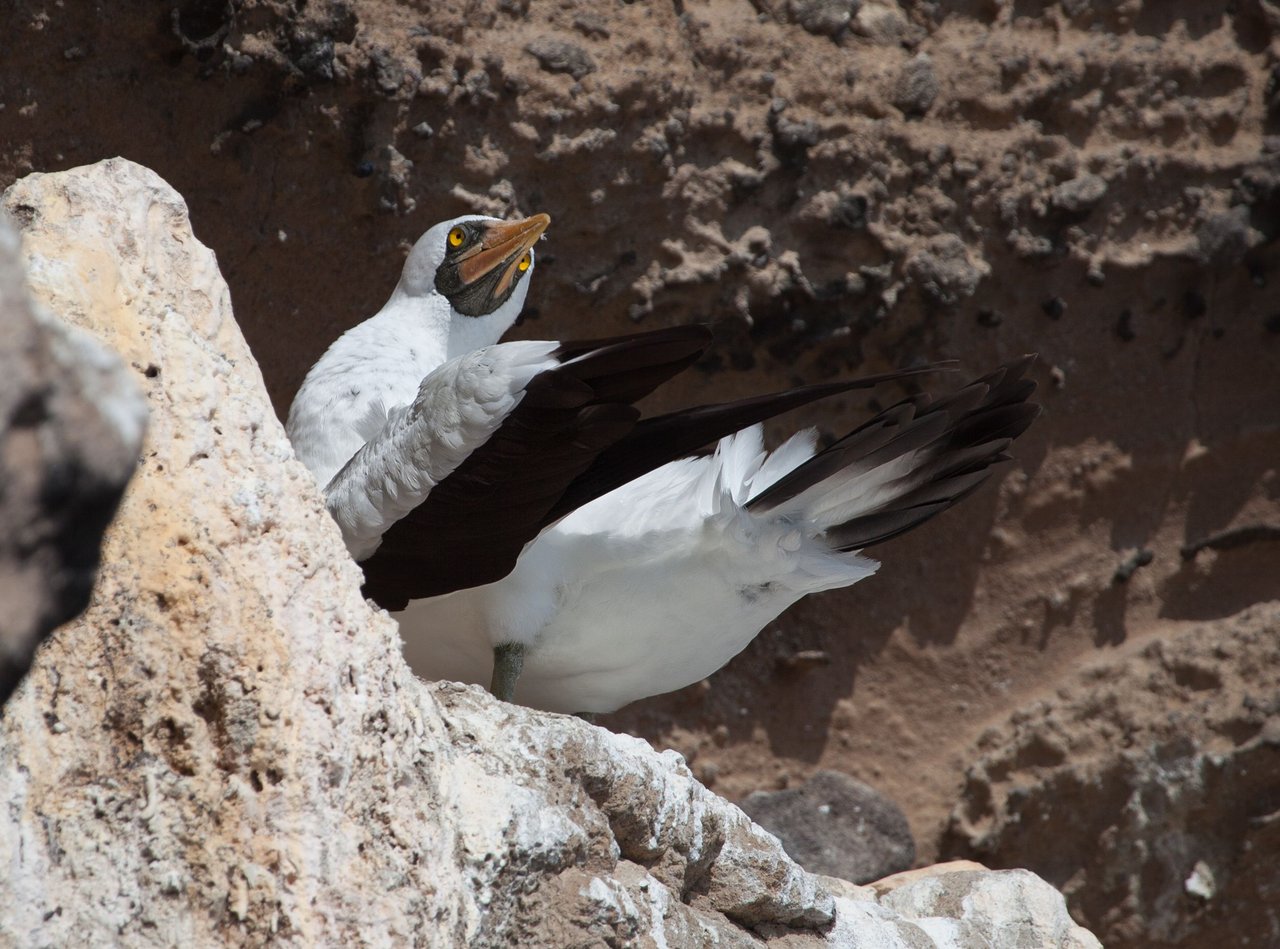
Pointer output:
x,y
883,23
71,424
228,747
1079,194
823,17
1225,236
838,826
560,56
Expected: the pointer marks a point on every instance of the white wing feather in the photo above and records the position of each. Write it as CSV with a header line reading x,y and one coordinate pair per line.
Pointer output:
x,y
457,408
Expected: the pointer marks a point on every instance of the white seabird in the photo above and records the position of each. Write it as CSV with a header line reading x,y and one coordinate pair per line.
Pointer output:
x,y
537,535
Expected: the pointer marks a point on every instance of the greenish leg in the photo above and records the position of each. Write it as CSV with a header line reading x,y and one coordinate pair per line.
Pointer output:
x,y
508,660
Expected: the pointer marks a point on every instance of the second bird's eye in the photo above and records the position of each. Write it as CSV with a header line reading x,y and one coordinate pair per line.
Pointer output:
x,y
456,237
525,261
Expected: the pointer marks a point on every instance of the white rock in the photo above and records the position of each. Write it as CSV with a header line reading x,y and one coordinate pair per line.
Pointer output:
x,y
1007,909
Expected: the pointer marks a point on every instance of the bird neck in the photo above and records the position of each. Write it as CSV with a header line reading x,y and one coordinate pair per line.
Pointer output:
x,y
434,331
419,333
469,333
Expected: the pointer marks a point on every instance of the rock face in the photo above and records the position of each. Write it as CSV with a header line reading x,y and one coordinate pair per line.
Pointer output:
x,y
659,138
1167,768
228,749
835,825
71,424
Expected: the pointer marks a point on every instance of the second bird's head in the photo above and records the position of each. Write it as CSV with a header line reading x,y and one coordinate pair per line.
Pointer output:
x,y
479,264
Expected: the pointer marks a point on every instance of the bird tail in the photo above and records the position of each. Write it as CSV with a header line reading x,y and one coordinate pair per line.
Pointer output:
x,y
910,462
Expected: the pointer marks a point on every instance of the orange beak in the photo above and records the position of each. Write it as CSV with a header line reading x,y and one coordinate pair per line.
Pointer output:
x,y
505,242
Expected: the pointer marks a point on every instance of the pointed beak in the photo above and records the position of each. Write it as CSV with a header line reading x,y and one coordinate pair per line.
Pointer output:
x,y
504,242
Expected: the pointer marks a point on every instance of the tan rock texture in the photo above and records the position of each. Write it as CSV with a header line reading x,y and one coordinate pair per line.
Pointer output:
x,y
228,748
837,187
1167,764
71,423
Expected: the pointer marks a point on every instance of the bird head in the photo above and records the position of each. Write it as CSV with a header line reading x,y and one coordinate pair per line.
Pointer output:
x,y
480,265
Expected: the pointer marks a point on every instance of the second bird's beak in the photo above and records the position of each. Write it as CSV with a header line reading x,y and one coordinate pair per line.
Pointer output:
x,y
503,242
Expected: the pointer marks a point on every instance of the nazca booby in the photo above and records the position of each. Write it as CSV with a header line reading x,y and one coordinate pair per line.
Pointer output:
x,y
532,532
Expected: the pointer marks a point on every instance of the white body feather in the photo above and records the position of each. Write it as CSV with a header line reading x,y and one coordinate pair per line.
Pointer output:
x,y
645,590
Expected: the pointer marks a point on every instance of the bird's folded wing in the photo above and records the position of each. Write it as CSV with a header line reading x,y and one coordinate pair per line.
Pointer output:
x,y
457,409
469,527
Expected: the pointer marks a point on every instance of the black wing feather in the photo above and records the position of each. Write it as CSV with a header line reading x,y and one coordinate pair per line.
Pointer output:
x,y
473,525
957,440
656,441
575,436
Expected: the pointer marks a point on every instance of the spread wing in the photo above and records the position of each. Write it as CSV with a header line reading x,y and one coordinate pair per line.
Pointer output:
x,y
559,430
908,463
683,432
472,523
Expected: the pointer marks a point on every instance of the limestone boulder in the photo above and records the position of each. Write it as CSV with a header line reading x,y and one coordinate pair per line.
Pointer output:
x,y
227,748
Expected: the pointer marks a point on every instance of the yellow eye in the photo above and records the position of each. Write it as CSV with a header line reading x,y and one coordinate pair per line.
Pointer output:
x,y
525,261
456,237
